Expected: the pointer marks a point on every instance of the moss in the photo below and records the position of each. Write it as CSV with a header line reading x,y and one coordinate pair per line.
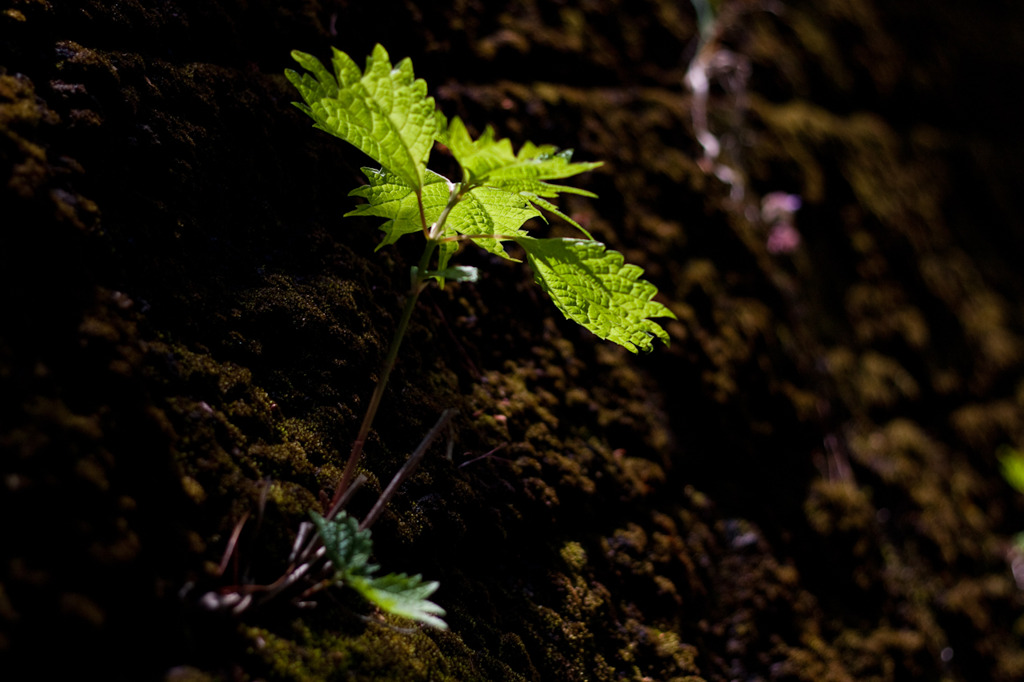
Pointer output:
x,y
574,556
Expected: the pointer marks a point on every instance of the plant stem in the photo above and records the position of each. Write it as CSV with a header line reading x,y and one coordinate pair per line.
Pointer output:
x,y
420,278
455,196
407,469
419,282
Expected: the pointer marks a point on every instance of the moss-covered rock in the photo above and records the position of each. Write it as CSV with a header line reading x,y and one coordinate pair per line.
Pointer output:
x,y
804,486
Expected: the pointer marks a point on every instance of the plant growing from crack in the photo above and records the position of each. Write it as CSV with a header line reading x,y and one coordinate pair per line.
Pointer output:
x,y
385,112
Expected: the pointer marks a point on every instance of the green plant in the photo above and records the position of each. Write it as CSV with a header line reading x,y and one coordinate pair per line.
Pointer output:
x,y
385,112
349,548
335,549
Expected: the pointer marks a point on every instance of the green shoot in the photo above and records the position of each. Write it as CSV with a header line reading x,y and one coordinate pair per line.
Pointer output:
x,y
385,112
349,548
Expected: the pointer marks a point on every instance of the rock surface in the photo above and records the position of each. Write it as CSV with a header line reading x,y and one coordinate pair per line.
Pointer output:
x,y
803,486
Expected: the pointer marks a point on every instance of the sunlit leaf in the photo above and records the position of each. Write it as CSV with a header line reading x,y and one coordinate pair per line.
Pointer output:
x,y
384,111
593,286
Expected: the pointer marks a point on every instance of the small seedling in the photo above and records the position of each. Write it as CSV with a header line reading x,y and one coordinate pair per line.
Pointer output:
x,y
385,112
349,548
335,549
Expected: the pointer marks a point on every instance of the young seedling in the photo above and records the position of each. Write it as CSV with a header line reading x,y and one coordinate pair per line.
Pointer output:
x,y
385,112
335,549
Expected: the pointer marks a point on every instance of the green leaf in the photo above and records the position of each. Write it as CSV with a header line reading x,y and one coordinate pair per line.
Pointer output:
x,y
482,212
384,111
595,288
347,546
491,163
404,596
487,161
392,198
486,211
